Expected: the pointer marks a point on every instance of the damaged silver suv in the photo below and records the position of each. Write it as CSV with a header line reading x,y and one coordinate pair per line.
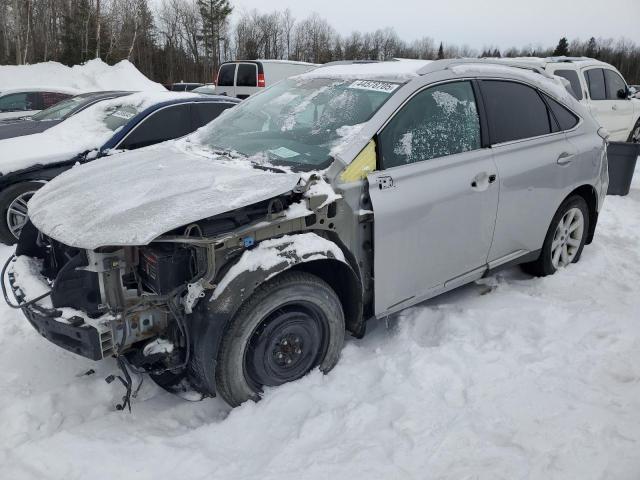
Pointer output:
x,y
238,257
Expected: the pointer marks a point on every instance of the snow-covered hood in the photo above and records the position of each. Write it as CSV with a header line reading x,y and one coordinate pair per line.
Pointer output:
x,y
131,198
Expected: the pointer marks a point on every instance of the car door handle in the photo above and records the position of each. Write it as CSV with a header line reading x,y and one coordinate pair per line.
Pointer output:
x,y
565,158
614,107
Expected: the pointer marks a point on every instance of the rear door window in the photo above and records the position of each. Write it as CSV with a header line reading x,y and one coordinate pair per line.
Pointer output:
x,y
615,85
595,82
565,118
226,75
574,80
203,113
515,111
165,124
439,121
247,75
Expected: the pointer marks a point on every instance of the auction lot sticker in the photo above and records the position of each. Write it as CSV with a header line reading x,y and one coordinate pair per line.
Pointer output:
x,y
386,87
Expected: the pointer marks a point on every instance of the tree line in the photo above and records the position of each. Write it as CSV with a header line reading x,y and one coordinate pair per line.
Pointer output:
x,y
187,39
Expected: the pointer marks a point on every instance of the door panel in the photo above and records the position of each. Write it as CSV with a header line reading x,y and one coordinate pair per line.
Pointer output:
x,y
246,79
225,84
532,185
430,224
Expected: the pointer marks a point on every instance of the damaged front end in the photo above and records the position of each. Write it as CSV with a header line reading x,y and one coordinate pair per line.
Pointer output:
x,y
147,304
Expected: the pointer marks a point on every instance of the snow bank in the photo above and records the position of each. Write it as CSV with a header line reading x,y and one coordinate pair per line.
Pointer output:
x,y
79,133
510,377
93,75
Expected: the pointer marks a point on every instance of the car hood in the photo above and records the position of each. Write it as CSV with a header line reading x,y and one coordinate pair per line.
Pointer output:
x,y
132,198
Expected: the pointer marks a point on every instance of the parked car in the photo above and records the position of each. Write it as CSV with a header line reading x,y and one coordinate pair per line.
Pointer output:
x,y
183,87
237,257
242,78
124,123
601,88
45,119
635,91
20,102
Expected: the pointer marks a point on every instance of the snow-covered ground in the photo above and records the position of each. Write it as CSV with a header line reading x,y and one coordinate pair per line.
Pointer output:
x,y
511,377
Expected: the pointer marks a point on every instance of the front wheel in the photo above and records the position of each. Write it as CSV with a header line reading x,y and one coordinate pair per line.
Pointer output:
x,y
13,206
289,326
565,238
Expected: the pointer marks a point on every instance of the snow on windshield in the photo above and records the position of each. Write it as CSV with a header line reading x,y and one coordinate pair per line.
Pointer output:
x,y
298,123
87,130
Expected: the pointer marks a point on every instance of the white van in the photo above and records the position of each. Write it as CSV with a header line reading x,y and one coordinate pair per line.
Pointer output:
x,y
241,78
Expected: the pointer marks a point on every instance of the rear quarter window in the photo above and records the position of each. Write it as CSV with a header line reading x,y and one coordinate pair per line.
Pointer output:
x,y
565,118
515,111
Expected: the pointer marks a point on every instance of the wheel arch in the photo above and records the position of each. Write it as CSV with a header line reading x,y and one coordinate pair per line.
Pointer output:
x,y
588,193
217,309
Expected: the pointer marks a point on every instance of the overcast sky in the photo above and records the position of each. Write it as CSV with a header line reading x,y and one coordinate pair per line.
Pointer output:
x,y
477,23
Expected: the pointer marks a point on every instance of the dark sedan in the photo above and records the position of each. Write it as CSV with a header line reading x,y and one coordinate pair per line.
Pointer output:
x,y
125,123
45,119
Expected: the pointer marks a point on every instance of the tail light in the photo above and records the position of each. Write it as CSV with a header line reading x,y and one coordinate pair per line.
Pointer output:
x,y
261,82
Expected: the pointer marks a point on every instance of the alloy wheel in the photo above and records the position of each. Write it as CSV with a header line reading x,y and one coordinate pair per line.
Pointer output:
x,y
17,213
567,238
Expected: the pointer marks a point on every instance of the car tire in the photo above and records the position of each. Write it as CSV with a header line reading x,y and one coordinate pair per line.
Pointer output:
x,y
14,197
565,239
634,136
289,326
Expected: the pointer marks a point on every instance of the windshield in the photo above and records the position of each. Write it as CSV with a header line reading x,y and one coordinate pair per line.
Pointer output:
x,y
59,110
119,116
298,121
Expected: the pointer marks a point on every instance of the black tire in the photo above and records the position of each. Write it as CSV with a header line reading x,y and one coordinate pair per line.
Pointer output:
x,y
543,266
290,325
634,136
7,196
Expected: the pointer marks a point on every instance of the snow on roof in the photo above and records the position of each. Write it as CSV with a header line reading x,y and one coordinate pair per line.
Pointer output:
x,y
84,131
394,70
40,88
91,76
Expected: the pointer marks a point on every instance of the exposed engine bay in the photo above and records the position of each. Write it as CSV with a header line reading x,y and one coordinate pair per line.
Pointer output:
x,y
134,302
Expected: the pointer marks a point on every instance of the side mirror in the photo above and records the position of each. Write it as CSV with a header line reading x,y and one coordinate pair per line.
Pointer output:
x,y
623,93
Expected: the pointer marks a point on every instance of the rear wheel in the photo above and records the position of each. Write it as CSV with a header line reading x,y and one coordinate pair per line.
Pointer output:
x,y
290,325
13,209
565,238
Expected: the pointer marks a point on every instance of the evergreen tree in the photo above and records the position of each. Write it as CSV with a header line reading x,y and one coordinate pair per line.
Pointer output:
x,y
440,52
214,18
592,48
496,53
562,49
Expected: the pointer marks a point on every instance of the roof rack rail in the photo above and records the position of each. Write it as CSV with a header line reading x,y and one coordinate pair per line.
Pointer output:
x,y
447,64
350,62
563,59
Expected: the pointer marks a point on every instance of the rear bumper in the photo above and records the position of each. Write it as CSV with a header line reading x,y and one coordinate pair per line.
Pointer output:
x,y
69,329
